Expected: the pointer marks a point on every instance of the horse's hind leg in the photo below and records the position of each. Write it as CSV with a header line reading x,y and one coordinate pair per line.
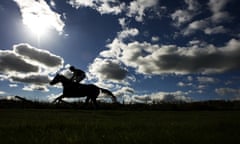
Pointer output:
x,y
87,100
95,103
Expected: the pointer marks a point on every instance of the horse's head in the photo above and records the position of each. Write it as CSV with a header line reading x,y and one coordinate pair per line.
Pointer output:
x,y
56,79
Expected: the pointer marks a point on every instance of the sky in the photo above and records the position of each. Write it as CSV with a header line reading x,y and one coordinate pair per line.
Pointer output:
x,y
142,50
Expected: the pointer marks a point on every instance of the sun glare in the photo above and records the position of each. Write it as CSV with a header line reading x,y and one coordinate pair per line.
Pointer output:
x,y
37,24
39,17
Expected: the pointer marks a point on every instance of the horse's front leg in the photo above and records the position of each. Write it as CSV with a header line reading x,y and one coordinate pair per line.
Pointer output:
x,y
58,99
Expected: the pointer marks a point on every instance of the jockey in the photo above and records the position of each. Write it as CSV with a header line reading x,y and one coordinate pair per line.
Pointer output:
x,y
78,75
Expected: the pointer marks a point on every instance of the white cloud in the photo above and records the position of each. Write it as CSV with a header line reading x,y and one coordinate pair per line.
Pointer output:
x,y
220,17
114,49
155,39
193,5
204,25
189,78
153,59
102,6
215,30
137,8
200,87
209,25
182,16
79,3
124,91
171,97
52,3
13,85
52,97
217,8
38,79
159,59
123,22
12,62
182,84
205,79
105,69
126,33
40,56
2,92
39,13
35,87
29,65
107,7
194,26
227,91
217,5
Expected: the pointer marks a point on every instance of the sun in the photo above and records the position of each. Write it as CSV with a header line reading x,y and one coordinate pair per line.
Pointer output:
x,y
39,17
38,24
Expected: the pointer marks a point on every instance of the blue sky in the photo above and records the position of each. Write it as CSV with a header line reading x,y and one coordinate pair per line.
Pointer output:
x,y
142,50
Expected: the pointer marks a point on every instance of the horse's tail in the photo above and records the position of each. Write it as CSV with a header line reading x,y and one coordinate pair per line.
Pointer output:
x,y
114,99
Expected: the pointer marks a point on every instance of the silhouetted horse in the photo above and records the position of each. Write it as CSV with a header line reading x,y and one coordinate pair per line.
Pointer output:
x,y
74,90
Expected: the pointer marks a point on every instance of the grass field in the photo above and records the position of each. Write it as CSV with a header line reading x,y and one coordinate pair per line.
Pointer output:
x,y
58,126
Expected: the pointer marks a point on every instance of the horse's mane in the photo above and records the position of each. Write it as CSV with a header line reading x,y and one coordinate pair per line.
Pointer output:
x,y
64,78
61,75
